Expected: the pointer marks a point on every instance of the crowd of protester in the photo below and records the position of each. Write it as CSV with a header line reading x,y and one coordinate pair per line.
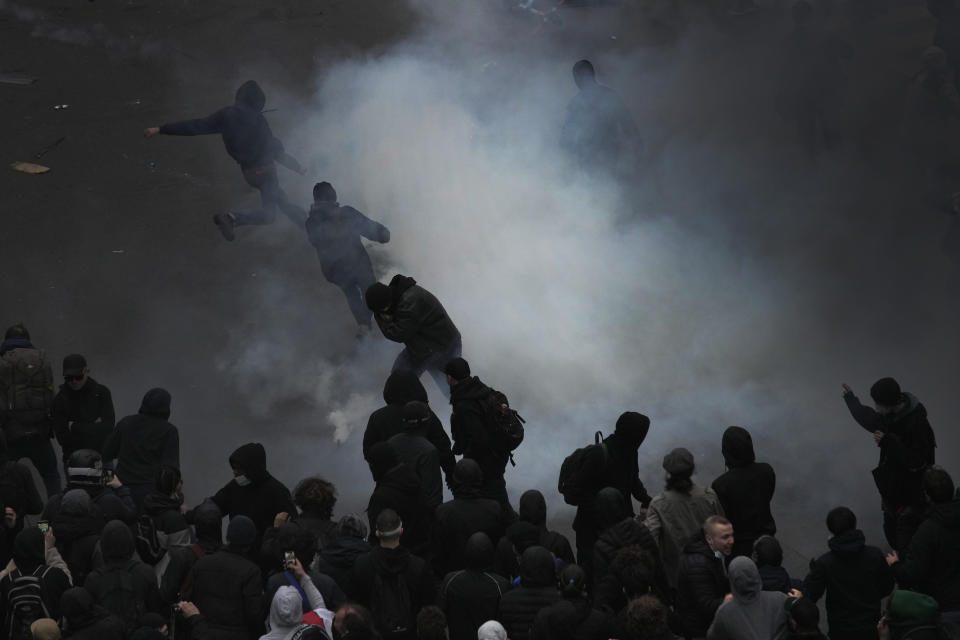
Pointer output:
x,y
116,555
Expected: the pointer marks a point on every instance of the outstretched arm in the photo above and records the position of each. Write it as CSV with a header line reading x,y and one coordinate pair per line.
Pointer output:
x,y
865,416
197,127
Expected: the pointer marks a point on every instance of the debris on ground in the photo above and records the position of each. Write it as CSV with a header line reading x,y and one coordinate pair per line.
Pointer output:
x,y
29,167
16,78
50,147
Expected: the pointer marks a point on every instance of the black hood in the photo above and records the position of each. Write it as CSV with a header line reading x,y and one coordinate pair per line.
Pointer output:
x,y
467,479
28,549
80,610
737,447
478,553
116,543
398,285
70,527
251,95
251,459
469,389
344,550
393,561
382,458
523,535
208,521
947,514
851,542
402,477
402,387
537,568
533,508
156,503
611,507
156,402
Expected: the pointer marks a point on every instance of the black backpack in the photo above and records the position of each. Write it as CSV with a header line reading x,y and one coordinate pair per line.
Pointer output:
x,y
119,595
504,424
25,603
147,541
392,607
580,473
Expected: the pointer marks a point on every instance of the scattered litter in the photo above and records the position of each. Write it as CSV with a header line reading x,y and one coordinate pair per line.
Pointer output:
x,y
134,102
29,167
16,78
50,147
118,251
58,107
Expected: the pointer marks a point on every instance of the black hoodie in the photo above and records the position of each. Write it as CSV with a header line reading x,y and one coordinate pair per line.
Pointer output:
x,y
932,562
618,530
398,488
86,620
571,618
144,442
471,596
400,388
470,431
458,519
335,233
208,523
745,490
538,589
381,569
418,320
855,577
90,409
28,555
533,509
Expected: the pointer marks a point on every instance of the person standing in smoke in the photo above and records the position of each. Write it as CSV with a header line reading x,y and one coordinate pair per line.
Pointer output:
x,y
249,140
899,425
598,129
335,232
409,314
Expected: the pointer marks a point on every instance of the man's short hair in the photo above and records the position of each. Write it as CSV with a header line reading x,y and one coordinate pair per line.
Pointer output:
x,y
710,524
17,331
646,617
840,520
389,525
431,624
938,484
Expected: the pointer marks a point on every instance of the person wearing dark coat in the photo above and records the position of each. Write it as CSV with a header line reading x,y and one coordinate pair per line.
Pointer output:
x,y
459,519
250,142
253,492
471,596
176,581
414,450
84,619
400,388
121,566
409,314
907,445
82,410
77,527
85,472
533,510
315,498
18,491
854,576
164,506
702,580
143,443
803,621
29,556
335,232
932,562
470,429
618,469
618,530
227,587
768,556
572,617
537,589
745,490
398,488
336,559
631,576
292,537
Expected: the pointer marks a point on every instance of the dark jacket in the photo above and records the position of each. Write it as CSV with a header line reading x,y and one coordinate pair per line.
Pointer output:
x,y
335,233
418,320
26,391
17,488
28,554
384,568
533,509
144,442
166,514
227,588
90,410
471,596
262,499
855,578
458,519
745,490
86,620
775,579
538,589
113,504
398,488
471,432
621,471
246,135
619,530
177,580
701,585
337,559
77,536
908,448
400,388
932,562
571,618
419,454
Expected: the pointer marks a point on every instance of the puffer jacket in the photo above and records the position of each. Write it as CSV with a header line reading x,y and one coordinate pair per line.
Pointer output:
x,y
418,320
701,585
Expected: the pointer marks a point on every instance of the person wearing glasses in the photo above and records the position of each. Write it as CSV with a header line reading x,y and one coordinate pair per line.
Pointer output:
x,y
82,410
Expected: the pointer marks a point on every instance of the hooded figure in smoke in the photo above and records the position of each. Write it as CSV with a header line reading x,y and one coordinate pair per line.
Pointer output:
x,y
753,613
335,232
248,139
472,596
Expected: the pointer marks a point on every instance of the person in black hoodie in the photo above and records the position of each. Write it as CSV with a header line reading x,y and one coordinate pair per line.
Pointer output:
x,y
533,510
392,582
619,469
400,388
84,619
415,450
82,410
702,582
398,488
336,559
253,492
768,556
458,519
29,558
335,232
899,425
572,617
854,576
618,530
112,498
249,140
176,581
932,562
537,589
409,314
745,490
471,596
77,527
143,443
18,491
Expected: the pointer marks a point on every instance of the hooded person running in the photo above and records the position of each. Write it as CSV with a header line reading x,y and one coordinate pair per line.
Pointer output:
x,y
248,139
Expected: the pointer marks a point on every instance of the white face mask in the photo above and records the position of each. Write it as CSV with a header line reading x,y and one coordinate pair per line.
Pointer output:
x,y
241,480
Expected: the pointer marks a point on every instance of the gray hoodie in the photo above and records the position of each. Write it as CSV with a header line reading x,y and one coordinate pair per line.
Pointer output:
x,y
753,614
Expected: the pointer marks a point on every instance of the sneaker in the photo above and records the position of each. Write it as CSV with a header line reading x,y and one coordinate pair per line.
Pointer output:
x,y
224,222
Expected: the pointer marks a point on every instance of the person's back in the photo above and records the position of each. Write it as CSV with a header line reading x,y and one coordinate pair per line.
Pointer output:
x,y
84,619
768,554
745,490
77,526
752,613
176,583
854,576
32,589
573,616
533,510
471,596
414,450
466,514
398,488
336,560
537,589
335,231
618,530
